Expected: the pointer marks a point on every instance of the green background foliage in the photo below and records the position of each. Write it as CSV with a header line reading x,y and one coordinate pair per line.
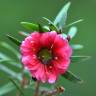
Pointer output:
x,y
12,12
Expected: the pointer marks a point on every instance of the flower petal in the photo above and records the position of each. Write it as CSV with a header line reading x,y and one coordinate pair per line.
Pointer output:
x,y
31,44
51,74
39,73
47,39
61,47
61,64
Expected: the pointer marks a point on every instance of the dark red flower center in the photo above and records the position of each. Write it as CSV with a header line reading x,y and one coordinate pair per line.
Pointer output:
x,y
45,55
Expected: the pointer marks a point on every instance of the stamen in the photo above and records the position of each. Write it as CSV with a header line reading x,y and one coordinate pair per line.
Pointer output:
x,y
32,42
51,46
50,67
56,58
34,56
44,55
34,49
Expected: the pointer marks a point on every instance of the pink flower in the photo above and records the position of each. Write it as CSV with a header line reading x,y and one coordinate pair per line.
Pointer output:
x,y
46,55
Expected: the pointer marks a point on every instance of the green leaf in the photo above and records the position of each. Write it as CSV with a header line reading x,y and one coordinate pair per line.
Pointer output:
x,y
40,28
13,63
6,88
77,59
10,72
16,64
49,21
24,33
77,46
46,27
30,26
4,60
14,40
75,22
72,32
10,48
71,77
64,35
17,86
3,56
62,16
52,26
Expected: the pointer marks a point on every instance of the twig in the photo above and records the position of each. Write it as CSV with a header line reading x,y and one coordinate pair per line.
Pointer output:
x,y
37,88
23,81
56,91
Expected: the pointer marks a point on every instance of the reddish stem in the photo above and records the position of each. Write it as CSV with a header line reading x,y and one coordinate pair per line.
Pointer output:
x,y
37,88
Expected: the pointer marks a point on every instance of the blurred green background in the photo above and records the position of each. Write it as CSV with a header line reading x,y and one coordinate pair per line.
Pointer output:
x,y
12,12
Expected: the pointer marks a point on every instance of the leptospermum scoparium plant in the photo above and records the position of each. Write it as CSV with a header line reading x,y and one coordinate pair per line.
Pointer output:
x,y
45,55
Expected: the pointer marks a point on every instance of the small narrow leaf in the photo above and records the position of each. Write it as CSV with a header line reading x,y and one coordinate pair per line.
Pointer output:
x,y
40,28
71,77
10,48
11,62
16,64
10,72
17,86
77,46
62,16
30,26
64,35
3,56
24,33
72,32
6,88
49,21
46,28
52,26
14,40
77,59
4,60
80,20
